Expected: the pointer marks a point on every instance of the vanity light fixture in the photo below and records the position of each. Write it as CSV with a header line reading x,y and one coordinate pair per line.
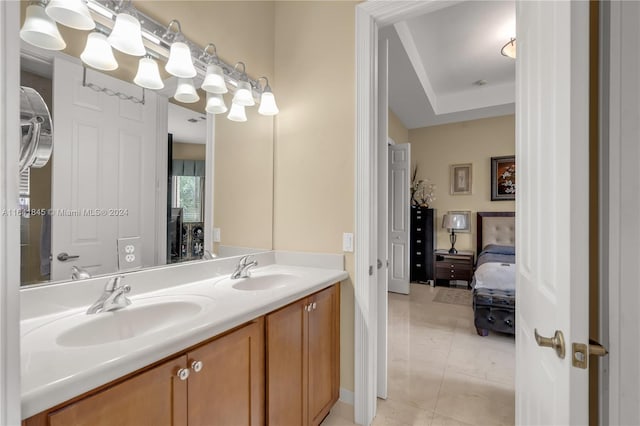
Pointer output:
x,y
180,63
186,92
214,78
126,35
148,75
237,113
71,13
215,104
40,30
98,53
509,49
244,94
267,100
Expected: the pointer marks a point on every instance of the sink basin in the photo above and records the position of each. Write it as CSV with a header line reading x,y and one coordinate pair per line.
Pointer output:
x,y
263,282
127,323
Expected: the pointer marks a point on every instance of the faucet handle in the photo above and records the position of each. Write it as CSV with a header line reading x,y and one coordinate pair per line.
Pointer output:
x,y
114,283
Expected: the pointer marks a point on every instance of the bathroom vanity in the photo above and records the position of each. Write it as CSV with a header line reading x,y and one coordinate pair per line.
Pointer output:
x,y
260,350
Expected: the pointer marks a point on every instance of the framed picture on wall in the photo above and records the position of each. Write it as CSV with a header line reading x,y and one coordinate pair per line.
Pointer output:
x,y
503,178
460,177
467,213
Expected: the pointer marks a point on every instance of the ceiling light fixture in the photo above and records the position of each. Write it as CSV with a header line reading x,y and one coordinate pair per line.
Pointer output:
x,y
267,100
98,53
509,49
180,63
71,13
40,30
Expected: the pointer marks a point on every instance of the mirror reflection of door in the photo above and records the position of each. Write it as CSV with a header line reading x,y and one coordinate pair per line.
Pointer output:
x,y
186,199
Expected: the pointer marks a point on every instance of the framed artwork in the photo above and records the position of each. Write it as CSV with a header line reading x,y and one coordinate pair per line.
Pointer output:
x,y
503,178
460,176
467,213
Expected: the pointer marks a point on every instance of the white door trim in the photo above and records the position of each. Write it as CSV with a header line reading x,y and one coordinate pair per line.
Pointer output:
x,y
369,16
9,224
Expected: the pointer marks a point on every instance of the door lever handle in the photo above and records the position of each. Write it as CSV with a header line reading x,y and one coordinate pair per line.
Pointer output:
x,y
63,257
556,342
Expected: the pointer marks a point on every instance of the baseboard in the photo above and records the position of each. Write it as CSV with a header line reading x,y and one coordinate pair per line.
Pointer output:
x,y
346,396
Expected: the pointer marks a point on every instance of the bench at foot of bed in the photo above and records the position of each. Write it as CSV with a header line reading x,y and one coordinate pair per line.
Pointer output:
x,y
494,310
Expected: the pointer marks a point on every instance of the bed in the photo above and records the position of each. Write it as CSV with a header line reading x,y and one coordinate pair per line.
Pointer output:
x,y
494,282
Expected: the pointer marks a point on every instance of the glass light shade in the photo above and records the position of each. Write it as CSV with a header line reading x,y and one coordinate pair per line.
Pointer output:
x,y
243,95
148,75
509,49
215,104
268,104
98,54
214,80
185,92
71,13
126,35
40,30
180,63
237,113
454,221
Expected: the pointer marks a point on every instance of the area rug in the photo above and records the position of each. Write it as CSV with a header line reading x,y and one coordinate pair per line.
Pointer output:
x,y
454,296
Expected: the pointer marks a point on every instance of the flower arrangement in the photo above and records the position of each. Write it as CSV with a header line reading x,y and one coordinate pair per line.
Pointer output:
x,y
422,191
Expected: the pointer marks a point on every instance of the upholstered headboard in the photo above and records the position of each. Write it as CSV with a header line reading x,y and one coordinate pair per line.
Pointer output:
x,y
496,228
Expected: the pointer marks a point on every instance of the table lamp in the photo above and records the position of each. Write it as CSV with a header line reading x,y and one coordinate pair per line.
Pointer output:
x,y
454,221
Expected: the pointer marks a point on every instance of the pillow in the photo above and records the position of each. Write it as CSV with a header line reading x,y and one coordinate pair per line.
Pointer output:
x,y
498,249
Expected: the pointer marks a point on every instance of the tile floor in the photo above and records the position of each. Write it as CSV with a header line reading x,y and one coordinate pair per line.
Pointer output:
x,y
440,371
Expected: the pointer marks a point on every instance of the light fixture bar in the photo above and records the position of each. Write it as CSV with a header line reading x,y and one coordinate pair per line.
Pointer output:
x,y
152,32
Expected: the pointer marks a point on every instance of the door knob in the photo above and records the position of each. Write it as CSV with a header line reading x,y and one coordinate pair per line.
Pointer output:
x,y
63,257
379,263
556,342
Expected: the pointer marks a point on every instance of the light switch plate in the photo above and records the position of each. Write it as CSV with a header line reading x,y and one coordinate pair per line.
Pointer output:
x,y
216,235
347,242
129,253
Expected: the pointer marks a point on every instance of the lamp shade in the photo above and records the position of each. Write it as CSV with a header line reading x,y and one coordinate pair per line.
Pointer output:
x,y
237,113
180,63
71,13
126,35
509,49
243,95
454,221
148,75
98,54
214,80
268,104
215,104
185,92
40,30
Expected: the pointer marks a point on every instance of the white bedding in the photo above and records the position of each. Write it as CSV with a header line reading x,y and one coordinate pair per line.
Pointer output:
x,y
498,276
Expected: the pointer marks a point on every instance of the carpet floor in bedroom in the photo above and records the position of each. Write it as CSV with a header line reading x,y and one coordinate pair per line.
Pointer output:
x,y
440,371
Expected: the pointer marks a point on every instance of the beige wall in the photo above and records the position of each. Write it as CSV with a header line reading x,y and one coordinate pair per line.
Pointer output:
x,y
397,131
315,139
435,148
189,151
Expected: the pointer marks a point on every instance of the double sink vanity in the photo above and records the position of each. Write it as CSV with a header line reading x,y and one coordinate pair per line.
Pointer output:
x,y
186,345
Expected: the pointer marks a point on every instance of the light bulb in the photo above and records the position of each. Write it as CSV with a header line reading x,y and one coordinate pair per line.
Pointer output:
x,y
244,95
148,75
126,35
185,92
98,54
237,113
215,104
268,104
180,63
40,30
71,13
214,80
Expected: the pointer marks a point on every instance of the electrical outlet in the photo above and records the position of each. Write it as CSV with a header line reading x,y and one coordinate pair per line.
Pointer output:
x,y
129,255
347,242
216,235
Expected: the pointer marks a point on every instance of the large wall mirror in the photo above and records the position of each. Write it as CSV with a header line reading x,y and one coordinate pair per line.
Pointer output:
x,y
132,185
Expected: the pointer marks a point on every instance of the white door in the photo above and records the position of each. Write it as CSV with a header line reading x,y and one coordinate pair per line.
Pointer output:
x,y
552,209
103,172
399,163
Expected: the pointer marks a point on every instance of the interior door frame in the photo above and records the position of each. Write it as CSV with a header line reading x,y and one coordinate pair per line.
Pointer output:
x,y
9,224
370,16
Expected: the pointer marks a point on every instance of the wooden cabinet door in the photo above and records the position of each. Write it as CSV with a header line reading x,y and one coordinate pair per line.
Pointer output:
x,y
324,353
156,397
287,365
229,388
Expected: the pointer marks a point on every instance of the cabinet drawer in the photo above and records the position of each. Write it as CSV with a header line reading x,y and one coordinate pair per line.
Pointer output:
x,y
445,272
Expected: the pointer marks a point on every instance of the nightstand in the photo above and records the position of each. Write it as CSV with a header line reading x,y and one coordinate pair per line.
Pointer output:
x,y
457,266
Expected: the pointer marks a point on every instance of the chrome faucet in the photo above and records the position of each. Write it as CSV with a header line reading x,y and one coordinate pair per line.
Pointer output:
x,y
112,298
79,273
242,269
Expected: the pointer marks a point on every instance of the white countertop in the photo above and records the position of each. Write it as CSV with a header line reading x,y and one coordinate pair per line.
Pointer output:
x,y
52,373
